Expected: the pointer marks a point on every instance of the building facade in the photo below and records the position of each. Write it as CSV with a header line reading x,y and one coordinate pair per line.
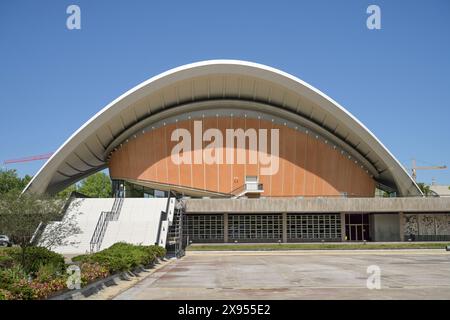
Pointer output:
x,y
221,131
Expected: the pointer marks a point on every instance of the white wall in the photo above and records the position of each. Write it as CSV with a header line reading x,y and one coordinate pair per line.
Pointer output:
x,y
137,224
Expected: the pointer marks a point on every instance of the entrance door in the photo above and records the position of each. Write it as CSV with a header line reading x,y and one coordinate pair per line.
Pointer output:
x,y
357,227
353,233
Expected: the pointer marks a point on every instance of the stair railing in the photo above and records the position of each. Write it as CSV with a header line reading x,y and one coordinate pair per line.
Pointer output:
x,y
179,246
102,224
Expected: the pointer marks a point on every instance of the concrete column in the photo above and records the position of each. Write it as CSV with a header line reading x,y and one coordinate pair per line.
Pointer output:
x,y
343,226
284,218
225,227
401,223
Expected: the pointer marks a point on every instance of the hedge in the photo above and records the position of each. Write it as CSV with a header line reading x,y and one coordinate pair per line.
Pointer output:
x,y
44,275
123,256
36,257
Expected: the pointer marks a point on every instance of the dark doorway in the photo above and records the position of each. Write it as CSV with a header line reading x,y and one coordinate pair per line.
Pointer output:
x,y
357,227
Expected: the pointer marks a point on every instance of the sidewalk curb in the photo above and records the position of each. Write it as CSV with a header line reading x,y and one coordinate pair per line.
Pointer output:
x,y
112,280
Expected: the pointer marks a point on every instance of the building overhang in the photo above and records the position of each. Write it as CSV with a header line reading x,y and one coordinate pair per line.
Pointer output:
x,y
203,84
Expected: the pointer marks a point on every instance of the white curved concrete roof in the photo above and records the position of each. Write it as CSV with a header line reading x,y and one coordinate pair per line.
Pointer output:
x,y
213,82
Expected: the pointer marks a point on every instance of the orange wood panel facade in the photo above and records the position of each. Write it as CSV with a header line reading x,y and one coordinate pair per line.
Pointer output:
x,y
307,165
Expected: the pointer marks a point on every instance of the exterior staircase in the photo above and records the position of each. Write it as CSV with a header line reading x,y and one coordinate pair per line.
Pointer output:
x,y
102,224
176,240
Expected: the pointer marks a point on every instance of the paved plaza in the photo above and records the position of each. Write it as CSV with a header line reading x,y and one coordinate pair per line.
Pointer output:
x,y
405,274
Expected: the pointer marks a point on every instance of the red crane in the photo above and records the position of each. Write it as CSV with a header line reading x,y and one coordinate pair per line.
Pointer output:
x,y
29,159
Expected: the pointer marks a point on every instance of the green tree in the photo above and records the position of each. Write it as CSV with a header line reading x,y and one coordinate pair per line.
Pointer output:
x,y
97,186
424,188
10,181
22,214
64,194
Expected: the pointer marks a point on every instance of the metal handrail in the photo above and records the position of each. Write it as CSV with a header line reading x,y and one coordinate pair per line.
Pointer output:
x,y
98,230
116,209
235,191
243,188
176,244
179,245
102,223
103,229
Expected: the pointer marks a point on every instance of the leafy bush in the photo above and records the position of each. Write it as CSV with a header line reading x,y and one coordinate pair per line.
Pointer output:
x,y
42,290
91,272
35,257
5,295
21,290
123,256
16,285
6,261
11,275
47,272
44,274
160,251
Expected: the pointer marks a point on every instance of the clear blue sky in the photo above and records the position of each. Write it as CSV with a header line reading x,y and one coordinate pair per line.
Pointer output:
x,y
395,80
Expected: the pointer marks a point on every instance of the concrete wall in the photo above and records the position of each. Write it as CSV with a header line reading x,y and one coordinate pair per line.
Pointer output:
x,y
85,213
138,223
386,227
311,205
426,225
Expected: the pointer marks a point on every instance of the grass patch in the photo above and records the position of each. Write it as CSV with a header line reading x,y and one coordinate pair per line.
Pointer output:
x,y
316,246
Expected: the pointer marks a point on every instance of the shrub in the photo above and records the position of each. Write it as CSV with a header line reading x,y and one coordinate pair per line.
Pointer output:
x,y
10,276
80,258
91,272
35,257
21,290
15,281
6,262
123,256
160,251
16,285
5,295
47,272
45,266
42,290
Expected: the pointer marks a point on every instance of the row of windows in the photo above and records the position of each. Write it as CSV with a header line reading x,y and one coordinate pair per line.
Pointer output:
x,y
263,227
314,227
204,227
255,227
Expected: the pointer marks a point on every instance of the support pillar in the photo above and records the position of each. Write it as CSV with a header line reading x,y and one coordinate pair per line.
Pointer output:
x,y
401,224
225,227
342,226
284,219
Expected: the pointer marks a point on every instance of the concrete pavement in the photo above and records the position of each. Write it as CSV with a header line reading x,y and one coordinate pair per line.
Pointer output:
x,y
405,274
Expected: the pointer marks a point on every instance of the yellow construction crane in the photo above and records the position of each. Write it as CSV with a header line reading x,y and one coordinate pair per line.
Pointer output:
x,y
415,167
